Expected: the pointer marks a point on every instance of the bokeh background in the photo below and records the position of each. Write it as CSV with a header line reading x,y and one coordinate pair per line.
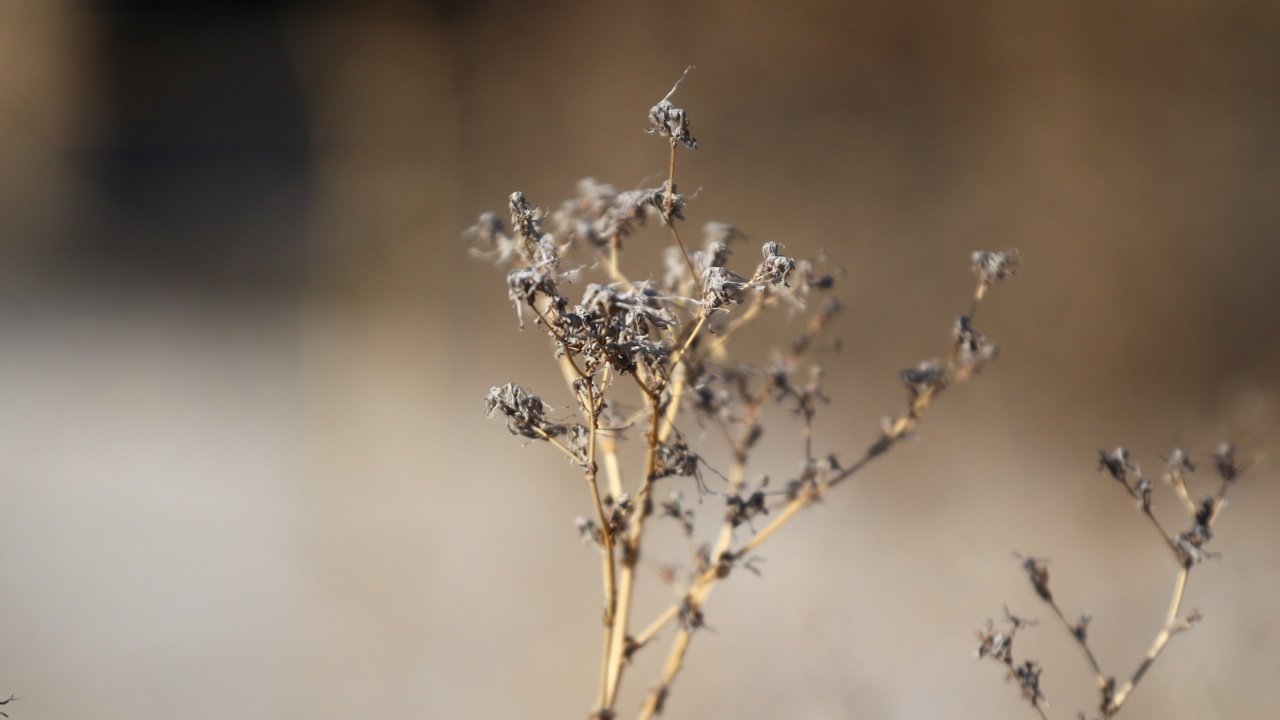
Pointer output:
x,y
243,464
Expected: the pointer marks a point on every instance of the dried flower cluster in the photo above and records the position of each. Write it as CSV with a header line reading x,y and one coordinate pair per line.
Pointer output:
x,y
998,646
1187,548
653,351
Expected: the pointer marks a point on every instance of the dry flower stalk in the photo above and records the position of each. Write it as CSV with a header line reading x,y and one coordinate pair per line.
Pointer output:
x,y
1187,547
670,338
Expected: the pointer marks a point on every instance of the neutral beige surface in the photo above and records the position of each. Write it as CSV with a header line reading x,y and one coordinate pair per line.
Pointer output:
x,y
287,504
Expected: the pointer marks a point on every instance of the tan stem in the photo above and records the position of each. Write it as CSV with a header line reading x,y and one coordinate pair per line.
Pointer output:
x,y
606,536
1171,626
631,558
657,696
671,191
718,345
1180,486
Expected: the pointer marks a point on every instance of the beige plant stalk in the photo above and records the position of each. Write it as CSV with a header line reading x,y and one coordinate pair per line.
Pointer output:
x,y
672,339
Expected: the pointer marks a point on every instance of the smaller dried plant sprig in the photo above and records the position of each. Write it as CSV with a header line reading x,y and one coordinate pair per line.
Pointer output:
x,y
669,341
1187,548
997,645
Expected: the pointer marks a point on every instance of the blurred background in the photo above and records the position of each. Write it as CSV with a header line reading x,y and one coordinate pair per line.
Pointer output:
x,y
243,463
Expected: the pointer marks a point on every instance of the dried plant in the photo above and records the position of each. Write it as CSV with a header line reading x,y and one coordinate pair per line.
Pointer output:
x,y
1187,548
654,350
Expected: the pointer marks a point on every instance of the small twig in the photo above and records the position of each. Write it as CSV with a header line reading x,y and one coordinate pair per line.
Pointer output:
x,y
1171,626
1077,632
657,697
561,446
718,345
671,193
1173,623
693,334
606,536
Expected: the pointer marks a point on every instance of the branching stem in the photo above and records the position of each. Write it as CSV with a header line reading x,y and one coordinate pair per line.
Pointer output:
x,y
723,560
1171,626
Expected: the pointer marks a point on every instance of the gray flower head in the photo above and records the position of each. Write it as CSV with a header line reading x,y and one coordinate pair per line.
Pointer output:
x,y
775,267
667,120
524,218
524,411
992,267
720,287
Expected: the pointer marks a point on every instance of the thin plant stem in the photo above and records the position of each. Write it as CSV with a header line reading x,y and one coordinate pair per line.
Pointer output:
x,y
675,359
559,445
606,536
671,191
1164,534
615,273
657,697
612,468
643,637
718,345
630,558
608,571
1180,487
1099,676
1171,626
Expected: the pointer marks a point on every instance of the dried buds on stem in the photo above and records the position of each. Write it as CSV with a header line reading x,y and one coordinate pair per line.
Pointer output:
x,y
1188,548
669,339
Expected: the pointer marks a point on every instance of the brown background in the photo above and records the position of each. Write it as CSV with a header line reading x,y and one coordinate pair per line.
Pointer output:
x,y
243,464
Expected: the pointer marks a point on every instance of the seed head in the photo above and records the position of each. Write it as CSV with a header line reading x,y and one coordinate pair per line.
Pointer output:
x,y
1117,463
775,267
669,121
992,267
525,412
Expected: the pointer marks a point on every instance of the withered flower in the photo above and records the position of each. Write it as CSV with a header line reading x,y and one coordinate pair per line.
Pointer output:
x,y
1117,463
992,267
669,121
524,411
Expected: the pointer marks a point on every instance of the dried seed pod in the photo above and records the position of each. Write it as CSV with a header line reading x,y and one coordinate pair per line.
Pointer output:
x,y
669,121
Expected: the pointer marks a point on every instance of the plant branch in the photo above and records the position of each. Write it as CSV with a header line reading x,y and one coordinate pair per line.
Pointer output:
x,y
668,203
1172,625
1082,640
723,560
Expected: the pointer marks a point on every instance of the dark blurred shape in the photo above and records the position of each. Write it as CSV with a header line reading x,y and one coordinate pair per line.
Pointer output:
x,y
202,158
